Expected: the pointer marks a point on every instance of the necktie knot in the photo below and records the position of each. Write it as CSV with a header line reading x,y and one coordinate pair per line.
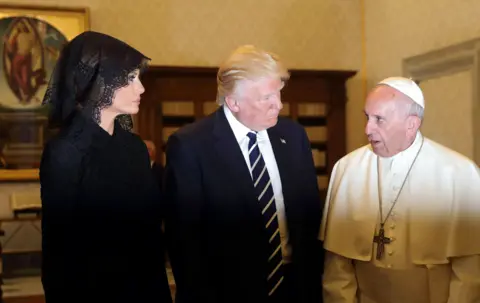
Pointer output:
x,y
252,136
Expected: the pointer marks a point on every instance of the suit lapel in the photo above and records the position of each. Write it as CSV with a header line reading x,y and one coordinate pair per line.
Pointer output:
x,y
229,153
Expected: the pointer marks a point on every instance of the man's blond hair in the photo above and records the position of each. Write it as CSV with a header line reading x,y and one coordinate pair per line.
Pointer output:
x,y
247,63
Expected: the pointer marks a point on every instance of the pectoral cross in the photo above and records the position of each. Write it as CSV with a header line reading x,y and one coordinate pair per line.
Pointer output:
x,y
381,240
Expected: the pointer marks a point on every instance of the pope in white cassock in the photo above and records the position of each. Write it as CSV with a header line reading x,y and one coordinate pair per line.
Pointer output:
x,y
402,218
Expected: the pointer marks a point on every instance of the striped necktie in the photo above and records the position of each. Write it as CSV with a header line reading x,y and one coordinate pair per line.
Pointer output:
x,y
266,198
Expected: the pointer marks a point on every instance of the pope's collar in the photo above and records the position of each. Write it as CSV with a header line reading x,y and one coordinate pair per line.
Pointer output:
x,y
411,150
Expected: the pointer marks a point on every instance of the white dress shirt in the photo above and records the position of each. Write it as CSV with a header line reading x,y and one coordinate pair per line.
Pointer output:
x,y
240,131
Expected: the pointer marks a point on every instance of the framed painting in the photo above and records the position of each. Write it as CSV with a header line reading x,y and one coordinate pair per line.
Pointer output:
x,y
31,40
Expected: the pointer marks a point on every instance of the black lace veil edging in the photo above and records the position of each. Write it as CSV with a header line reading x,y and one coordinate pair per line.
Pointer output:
x,y
89,70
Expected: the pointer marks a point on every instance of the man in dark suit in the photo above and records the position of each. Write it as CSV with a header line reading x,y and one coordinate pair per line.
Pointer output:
x,y
244,204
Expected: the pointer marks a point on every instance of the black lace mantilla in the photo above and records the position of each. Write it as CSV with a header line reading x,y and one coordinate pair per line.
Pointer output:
x,y
89,71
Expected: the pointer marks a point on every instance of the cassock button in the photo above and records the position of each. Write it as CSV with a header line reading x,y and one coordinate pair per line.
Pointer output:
x,y
390,253
389,265
392,226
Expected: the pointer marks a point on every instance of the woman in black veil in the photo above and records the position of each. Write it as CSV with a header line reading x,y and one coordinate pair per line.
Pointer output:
x,y
102,214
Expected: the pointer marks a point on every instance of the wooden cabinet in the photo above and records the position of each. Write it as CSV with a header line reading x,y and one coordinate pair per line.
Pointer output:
x,y
316,99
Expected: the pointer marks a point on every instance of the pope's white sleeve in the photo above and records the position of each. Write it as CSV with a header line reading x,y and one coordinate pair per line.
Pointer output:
x,y
465,280
339,281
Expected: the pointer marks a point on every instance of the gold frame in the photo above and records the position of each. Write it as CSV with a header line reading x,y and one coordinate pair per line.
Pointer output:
x,y
57,16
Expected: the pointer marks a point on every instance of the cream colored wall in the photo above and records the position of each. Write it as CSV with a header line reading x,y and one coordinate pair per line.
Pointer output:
x,y
307,34
399,29
448,124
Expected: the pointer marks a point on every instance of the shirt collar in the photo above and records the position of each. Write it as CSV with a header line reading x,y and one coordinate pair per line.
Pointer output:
x,y
239,130
412,149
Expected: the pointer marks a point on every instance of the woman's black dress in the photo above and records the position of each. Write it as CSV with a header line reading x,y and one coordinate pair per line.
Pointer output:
x,y
102,218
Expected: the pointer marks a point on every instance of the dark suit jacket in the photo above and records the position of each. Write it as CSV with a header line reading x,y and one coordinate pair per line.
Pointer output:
x,y
217,239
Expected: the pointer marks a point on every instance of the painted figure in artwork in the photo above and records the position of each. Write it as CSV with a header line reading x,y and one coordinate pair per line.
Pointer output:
x,y
29,50
24,51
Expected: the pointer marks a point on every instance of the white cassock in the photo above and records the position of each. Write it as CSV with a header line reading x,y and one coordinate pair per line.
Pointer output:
x,y
434,227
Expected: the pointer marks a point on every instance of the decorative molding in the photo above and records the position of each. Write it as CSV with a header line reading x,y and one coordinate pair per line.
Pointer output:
x,y
23,175
447,61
